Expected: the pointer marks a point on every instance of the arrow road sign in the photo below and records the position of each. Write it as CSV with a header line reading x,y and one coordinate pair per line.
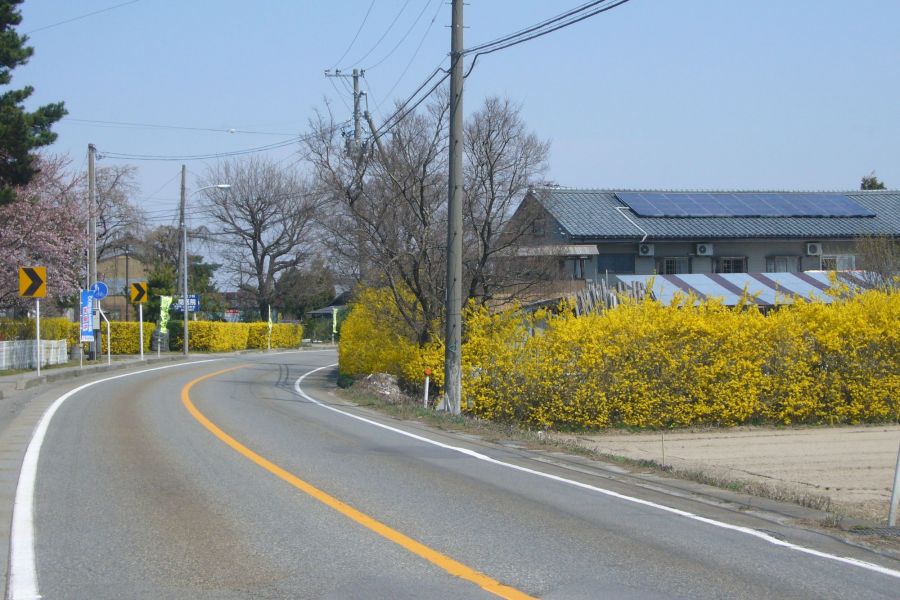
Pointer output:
x,y
33,282
139,292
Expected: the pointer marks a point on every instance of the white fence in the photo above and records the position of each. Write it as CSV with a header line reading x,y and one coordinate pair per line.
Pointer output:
x,y
22,354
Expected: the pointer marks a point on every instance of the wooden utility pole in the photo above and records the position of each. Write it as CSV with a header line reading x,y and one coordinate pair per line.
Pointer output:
x,y
453,309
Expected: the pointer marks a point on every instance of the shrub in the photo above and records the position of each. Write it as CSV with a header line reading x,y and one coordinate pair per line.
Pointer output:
x,y
643,364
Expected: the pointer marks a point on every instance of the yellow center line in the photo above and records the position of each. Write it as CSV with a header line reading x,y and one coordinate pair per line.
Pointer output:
x,y
433,556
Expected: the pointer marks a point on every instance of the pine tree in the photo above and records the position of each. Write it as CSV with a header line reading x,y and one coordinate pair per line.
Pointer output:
x,y
20,131
870,182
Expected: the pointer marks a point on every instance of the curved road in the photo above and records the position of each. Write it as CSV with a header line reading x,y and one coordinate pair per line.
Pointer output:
x,y
232,479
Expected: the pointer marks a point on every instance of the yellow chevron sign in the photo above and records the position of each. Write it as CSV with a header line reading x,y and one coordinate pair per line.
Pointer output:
x,y
139,292
33,282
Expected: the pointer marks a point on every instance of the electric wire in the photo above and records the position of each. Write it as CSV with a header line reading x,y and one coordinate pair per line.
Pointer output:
x,y
353,41
371,94
399,116
415,52
339,93
127,124
405,35
383,35
541,29
84,16
570,17
210,156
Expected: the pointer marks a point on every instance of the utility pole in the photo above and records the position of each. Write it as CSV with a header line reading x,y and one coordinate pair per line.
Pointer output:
x,y
355,150
184,261
355,110
357,95
127,287
92,240
453,309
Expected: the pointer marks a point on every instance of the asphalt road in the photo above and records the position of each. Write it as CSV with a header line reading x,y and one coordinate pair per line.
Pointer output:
x,y
247,484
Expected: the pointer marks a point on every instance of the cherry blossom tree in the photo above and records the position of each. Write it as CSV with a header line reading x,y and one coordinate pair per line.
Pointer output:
x,y
43,226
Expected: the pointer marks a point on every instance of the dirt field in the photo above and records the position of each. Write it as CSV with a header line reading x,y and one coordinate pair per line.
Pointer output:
x,y
853,466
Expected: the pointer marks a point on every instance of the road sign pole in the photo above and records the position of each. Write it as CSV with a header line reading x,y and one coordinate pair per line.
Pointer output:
x,y
895,495
37,332
141,316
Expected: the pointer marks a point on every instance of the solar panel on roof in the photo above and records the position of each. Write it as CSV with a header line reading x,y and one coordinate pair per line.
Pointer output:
x,y
750,204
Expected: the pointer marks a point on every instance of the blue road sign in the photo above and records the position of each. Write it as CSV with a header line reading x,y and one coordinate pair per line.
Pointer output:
x,y
87,322
193,303
99,290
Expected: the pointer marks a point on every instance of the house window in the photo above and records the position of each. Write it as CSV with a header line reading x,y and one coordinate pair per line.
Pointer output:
x,y
673,265
782,264
731,264
618,264
575,267
839,262
538,227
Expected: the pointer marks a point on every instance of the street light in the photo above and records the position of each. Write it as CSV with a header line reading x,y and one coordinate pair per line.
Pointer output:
x,y
219,186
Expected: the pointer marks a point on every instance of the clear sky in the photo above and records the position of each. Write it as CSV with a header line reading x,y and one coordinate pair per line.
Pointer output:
x,y
695,94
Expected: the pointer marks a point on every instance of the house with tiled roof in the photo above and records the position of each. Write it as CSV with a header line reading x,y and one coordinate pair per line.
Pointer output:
x,y
603,233
725,244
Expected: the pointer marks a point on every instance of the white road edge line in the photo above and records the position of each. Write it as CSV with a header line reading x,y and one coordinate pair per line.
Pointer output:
x,y
23,583
746,530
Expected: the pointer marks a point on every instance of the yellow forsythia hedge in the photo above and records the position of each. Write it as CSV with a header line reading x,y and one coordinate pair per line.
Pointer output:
x,y
284,335
217,336
210,336
52,328
643,364
126,336
376,339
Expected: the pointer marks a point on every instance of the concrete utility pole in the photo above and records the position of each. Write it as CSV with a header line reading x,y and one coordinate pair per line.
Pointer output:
x,y
92,240
127,287
357,95
453,309
355,110
92,219
184,261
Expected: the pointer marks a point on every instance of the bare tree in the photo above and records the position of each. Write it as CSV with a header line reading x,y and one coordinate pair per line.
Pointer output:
x,y
119,220
388,219
503,159
263,225
879,257
388,215
161,245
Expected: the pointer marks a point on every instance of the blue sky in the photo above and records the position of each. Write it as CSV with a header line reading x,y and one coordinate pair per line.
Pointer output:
x,y
695,94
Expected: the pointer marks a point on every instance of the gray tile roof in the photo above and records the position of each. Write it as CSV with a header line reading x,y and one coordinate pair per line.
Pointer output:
x,y
596,214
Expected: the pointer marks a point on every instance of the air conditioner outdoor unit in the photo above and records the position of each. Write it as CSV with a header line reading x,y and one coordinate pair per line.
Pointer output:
x,y
645,249
704,249
813,249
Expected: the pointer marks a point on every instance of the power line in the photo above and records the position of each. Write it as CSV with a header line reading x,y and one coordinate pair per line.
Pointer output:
x,y
355,36
90,14
416,51
556,23
405,35
176,127
383,35
570,17
258,149
340,94
401,111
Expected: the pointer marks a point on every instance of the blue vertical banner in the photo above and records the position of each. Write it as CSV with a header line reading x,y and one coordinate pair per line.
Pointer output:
x,y
87,321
